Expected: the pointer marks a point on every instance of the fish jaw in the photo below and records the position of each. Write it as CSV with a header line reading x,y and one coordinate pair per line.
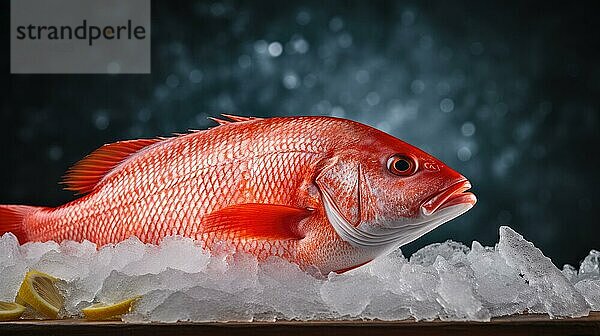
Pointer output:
x,y
453,195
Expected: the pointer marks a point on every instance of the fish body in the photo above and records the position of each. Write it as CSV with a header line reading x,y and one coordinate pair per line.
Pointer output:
x,y
321,192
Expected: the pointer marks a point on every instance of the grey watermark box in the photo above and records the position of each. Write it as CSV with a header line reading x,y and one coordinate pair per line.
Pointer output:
x,y
80,36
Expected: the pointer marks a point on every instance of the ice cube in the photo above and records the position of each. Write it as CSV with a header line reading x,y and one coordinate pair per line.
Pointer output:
x,y
9,251
174,252
556,294
202,305
301,301
591,264
119,286
125,253
411,287
10,280
148,303
589,287
417,283
386,306
33,251
449,250
570,272
72,260
349,294
587,281
456,293
502,290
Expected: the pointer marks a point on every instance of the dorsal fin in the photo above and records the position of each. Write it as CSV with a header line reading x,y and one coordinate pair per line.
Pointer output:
x,y
235,118
232,119
85,174
219,121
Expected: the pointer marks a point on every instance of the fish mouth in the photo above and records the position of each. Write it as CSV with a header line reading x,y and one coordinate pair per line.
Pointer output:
x,y
453,195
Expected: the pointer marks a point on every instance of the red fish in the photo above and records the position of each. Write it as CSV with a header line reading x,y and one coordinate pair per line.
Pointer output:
x,y
318,191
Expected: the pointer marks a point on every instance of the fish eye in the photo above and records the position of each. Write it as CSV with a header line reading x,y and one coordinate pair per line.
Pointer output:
x,y
401,165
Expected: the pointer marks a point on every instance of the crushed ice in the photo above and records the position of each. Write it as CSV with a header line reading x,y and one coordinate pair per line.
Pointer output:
x,y
179,281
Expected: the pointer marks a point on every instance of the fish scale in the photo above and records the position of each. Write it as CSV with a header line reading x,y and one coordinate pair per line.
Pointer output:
x,y
253,184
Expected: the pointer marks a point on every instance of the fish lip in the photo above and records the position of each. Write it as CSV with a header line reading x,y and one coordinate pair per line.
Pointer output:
x,y
453,195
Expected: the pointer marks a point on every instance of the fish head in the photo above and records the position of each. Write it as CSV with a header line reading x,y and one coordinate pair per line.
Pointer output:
x,y
381,192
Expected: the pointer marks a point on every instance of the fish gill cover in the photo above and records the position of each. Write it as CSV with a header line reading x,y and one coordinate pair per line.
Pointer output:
x,y
179,281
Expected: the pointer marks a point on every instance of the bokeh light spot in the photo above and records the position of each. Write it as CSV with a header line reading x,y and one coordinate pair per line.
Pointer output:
x,y
467,129
275,49
447,105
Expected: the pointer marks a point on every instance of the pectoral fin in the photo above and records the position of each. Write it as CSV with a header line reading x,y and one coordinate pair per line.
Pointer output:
x,y
257,221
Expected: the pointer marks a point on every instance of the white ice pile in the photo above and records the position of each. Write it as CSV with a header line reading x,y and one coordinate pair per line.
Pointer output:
x,y
178,280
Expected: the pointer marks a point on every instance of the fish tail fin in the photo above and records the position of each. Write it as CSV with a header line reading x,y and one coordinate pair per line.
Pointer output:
x,y
12,219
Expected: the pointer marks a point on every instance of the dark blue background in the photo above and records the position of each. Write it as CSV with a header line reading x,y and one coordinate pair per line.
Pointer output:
x,y
505,92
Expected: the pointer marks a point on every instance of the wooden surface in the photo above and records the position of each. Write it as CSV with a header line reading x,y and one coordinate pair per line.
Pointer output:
x,y
513,325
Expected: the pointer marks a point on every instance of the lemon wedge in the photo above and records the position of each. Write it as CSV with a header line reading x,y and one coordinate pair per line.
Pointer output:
x,y
10,311
103,311
39,291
